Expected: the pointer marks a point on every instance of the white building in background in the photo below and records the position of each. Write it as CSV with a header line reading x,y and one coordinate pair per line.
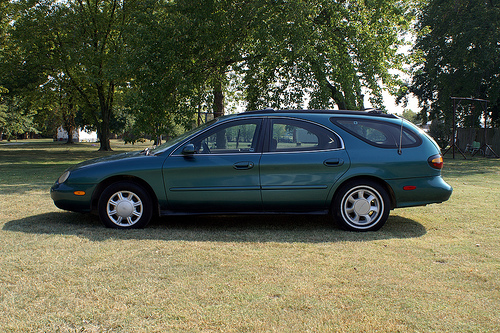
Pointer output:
x,y
79,135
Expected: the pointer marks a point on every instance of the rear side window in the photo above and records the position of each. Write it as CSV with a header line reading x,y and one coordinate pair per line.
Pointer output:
x,y
294,135
379,133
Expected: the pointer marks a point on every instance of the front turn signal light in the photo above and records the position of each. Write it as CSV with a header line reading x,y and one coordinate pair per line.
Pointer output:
x,y
79,193
436,161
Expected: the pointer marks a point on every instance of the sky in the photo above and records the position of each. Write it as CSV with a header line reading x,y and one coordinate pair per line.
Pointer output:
x,y
392,107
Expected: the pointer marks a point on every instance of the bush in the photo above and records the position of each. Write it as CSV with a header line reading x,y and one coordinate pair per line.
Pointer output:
x,y
439,132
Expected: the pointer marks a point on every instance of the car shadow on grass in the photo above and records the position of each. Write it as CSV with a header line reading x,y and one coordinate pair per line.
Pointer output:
x,y
245,228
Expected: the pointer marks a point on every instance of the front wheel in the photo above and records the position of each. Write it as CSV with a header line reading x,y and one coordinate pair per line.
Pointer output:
x,y
125,205
361,205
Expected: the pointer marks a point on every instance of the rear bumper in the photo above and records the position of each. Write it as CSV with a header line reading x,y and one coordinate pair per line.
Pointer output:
x,y
420,191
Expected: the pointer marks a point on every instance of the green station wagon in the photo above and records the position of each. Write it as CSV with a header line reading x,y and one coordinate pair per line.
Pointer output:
x,y
353,165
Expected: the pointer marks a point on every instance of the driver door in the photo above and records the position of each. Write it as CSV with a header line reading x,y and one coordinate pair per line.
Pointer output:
x,y
222,175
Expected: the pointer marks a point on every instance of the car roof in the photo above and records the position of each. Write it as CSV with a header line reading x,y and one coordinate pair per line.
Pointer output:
x,y
368,112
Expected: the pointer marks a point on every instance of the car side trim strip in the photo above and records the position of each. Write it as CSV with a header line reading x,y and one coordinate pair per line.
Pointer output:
x,y
217,188
294,187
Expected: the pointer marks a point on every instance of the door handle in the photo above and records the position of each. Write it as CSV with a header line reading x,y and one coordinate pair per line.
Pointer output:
x,y
243,165
332,162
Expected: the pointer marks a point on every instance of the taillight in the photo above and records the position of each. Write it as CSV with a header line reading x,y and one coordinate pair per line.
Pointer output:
x,y
436,161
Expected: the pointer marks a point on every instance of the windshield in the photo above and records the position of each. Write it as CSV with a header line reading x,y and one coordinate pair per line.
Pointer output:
x,y
160,149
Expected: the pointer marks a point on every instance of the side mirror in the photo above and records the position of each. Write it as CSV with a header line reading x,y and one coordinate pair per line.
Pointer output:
x,y
188,149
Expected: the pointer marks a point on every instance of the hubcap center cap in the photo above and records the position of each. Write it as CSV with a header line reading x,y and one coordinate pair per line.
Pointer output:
x,y
362,207
124,208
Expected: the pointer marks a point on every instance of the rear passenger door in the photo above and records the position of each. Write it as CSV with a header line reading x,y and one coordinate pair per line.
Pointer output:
x,y
301,162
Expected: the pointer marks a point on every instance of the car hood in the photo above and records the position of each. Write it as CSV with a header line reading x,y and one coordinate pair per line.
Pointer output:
x,y
106,159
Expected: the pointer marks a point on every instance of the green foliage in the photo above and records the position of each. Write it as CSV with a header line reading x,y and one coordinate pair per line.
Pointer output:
x,y
78,47
154,65
459,42
440,132
16,118
410,116
277,53
161,71
334,51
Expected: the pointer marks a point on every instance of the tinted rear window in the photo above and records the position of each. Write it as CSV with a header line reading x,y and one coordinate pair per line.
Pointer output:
x,y
378,133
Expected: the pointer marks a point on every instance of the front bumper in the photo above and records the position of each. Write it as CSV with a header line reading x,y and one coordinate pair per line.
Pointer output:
x,y
64,197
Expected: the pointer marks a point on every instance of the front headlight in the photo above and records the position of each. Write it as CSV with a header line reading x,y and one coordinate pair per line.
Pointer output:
x,y
63,177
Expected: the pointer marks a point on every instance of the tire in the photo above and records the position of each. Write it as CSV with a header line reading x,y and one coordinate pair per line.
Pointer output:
x,y
361,205
125,205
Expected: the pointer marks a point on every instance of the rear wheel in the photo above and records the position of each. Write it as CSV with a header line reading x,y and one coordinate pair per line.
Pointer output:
x,y
361,205
125,205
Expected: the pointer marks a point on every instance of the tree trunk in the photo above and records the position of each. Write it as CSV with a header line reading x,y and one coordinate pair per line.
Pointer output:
x,y
218,100
103,134
337,96
106,105
68,115
218,112
70,130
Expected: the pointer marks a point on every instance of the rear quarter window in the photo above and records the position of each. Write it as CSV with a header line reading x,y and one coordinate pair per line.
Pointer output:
x,y
379,133
296,135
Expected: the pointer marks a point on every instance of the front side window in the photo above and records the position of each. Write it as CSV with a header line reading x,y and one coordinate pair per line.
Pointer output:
x,y
294,135
230,138
379,133
160,149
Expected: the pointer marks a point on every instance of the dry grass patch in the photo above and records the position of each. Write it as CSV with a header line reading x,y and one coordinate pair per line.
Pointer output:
x,y
433,268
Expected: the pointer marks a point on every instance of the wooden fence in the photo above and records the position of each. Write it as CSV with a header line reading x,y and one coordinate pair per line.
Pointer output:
x,y
467,136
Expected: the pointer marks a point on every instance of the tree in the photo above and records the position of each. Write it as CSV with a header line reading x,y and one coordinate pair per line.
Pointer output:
x,y
458,39
335,51
81,41
410,116
16,117
3,112
171,59
161,70
182,55
280,52
58,102
218,35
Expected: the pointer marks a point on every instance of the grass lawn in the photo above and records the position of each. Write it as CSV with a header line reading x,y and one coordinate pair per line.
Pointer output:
x,y
430,269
